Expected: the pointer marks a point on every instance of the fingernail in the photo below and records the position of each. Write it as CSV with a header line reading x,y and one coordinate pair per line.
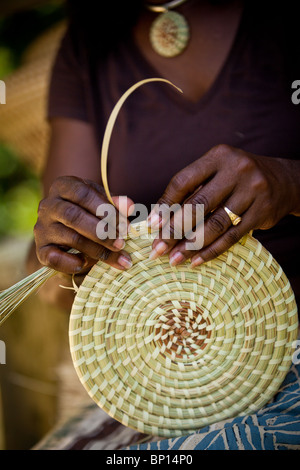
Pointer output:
x,y
124,262
196,261
153,220
159,250
83,266
119,244
176,258
131,210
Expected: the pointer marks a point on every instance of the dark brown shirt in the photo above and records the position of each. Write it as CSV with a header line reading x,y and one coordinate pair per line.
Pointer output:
x,y
159,132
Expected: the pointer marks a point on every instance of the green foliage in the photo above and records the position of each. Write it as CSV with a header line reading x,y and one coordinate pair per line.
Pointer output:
x,y
20,29
19,195
7,62
19,187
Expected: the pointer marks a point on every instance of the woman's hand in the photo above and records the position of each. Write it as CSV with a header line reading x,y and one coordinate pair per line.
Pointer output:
x,y
261,190
67,219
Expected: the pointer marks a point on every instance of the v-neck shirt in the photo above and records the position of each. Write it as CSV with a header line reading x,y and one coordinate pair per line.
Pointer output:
x,y
159,131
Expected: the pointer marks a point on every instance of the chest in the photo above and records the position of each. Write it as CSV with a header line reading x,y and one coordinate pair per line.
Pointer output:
x,y
242,101
213,30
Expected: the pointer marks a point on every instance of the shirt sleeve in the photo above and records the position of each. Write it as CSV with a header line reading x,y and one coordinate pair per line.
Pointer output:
x,y
66,97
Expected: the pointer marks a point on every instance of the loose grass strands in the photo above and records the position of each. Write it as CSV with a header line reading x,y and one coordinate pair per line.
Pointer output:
x,y
13,297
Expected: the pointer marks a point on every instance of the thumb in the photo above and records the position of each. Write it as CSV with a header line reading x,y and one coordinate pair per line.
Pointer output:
x,y
124,204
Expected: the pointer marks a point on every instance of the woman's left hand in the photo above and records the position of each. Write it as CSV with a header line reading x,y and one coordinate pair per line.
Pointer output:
x,y
261,190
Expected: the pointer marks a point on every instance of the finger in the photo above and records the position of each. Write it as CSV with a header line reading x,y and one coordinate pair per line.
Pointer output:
x,y
225,241
88,225
92,198
124,204
191,214
56,258
62,261
219,222
64,236
125,207
85,194
214,226
186,181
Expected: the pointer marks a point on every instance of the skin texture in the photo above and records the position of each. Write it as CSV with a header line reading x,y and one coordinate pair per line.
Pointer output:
x,y
67,213
260,189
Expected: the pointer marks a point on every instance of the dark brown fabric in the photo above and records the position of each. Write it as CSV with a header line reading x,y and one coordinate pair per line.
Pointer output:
x,y
160,132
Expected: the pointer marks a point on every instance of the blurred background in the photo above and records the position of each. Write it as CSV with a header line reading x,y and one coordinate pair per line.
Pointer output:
x,y
32,395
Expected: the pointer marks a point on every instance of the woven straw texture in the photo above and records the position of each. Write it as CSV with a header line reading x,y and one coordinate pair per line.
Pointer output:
x,y
23,120
169,350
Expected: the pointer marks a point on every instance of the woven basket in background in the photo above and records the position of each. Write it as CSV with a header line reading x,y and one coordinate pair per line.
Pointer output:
x,y
23,122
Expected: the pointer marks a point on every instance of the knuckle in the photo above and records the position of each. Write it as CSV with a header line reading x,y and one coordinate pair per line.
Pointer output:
x,y
200,199
180,180
77,241
80,191
260,183
232,237
71,214
218,223
58,183
42,207
37,226
102,253
245,164
37,229
212,253
221,150
40,233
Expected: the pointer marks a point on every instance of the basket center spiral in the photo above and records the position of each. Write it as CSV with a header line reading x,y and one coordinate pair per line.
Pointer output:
x,y
182,329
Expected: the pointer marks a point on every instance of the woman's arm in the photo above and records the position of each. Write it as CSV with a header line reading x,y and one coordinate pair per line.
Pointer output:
x,y
67,214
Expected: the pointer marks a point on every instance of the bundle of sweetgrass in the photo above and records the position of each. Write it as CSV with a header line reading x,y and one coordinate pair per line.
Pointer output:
x,y
14,296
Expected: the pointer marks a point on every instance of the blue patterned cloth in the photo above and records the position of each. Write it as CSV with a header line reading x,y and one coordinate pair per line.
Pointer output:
x,y
274,427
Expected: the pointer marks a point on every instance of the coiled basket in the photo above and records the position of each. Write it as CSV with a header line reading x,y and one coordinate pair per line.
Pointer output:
x,y
168,350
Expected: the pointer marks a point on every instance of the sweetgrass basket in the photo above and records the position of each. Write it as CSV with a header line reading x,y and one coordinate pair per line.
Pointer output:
x,y
169,350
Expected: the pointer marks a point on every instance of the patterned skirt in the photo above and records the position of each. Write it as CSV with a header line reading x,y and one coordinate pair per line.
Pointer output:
x,y
276,426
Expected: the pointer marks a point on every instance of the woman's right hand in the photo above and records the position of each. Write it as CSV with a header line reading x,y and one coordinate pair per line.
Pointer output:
x,y
67,219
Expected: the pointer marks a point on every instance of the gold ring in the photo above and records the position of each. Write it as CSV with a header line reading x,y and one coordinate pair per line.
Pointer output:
x,y
235,219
